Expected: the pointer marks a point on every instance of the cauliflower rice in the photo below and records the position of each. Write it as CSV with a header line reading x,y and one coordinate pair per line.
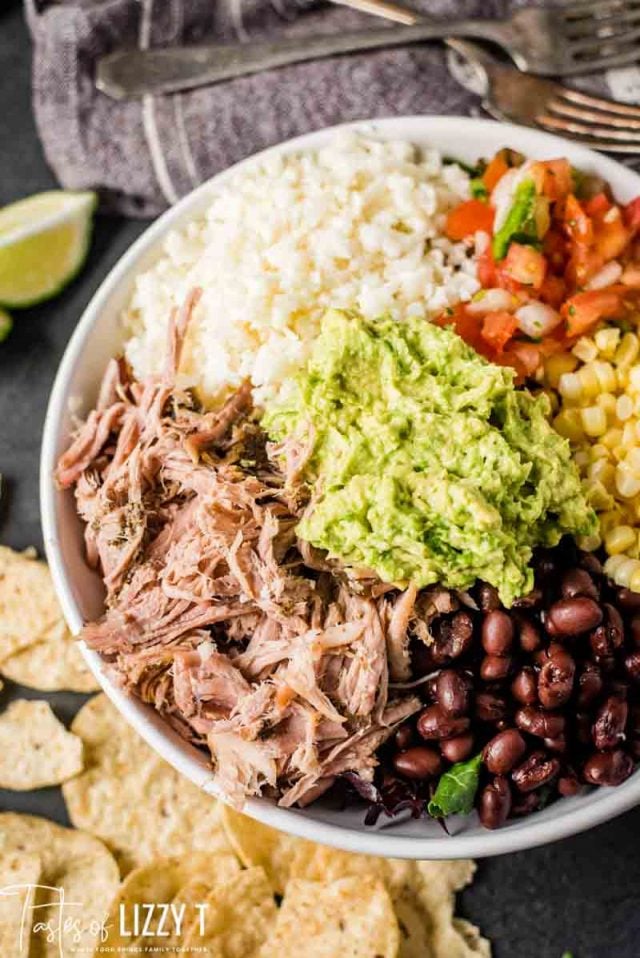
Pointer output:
x,y
358,224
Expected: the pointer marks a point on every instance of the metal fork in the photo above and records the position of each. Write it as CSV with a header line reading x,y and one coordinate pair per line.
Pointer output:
x,y
587,35
510,95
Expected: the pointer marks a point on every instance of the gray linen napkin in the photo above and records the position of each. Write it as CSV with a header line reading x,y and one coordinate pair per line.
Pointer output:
x,y
144,155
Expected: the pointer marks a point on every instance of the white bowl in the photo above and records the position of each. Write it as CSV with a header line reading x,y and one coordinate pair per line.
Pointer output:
x,y
98,337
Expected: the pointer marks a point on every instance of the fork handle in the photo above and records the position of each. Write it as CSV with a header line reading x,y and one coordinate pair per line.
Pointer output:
x,y
134,73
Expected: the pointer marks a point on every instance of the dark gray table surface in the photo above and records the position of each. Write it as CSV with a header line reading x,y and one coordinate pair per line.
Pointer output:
x,y
582,894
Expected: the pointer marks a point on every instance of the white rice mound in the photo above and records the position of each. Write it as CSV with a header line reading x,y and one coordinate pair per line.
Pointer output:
x,y
358,224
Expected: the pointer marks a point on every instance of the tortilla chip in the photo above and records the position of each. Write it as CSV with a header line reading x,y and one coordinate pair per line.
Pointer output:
x,y
19,874
258,844
51,665
194,893
158,883
77,864
239,916
35,748
452,937
132,799
36,647
351,916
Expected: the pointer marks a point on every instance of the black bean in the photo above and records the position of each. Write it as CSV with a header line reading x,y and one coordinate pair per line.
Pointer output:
x,y
524,687
568,785
589,684
608,636
555,681
530,638
488,598
578,582
538,722
582,728
404,736
458,748
611,718
495,803
634,630
536,770
497,633
417,763
573,616
524,804
632,666
558,744
607,768
452,692
533,600
504,751
495,668
433,723
628,600
454,639
591,563
490,707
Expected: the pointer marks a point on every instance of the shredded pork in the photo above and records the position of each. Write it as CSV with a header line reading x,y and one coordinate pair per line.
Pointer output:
x,y
251,643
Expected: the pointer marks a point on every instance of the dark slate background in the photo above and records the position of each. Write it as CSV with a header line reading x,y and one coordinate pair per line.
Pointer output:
x,y
580,895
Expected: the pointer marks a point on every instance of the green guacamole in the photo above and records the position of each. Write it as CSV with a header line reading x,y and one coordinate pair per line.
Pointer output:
x,y
427,464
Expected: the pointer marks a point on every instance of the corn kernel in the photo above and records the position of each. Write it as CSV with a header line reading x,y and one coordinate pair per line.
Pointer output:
x,y
598,497
619,539
607,339
604,472
634,378
627,484
624,407
622,379
632,461
570,386
585,349
597,452
612,438
634,581
627,352
557,365
589,543
590,384
582,458
613,565
610,519
569,424
627,570
606,375
619,452
594,421
609,403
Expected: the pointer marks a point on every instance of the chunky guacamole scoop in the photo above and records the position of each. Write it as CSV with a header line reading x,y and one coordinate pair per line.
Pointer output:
x,y
426,464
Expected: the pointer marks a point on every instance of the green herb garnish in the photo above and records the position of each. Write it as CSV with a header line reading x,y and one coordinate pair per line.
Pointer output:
x,y
456,789
478,189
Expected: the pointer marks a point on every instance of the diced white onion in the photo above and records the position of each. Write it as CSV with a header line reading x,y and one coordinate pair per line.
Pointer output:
x,y
537,319
489,301
606,276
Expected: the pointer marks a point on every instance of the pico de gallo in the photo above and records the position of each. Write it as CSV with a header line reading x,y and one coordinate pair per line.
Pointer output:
x,y
555,252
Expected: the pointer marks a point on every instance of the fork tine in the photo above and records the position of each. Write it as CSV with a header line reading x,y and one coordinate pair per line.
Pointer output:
x,y
599,103
595,43
606,62
592,8
619,141
602,26
610,120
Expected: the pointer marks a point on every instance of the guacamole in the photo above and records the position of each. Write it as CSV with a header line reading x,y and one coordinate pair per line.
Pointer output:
x,y
427,464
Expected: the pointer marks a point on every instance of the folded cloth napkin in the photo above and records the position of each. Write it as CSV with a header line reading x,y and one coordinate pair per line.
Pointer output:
x,y
143,155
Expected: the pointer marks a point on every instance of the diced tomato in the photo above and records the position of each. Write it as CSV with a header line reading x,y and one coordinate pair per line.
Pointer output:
x,y
555,247
524,357
498,328
631,276
598,204
468,218
494,172
611,236
632,214
486,266
556,179
525,265
553,291
586,309
577,224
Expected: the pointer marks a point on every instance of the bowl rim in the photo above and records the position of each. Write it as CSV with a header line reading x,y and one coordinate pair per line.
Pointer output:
x,y
599,806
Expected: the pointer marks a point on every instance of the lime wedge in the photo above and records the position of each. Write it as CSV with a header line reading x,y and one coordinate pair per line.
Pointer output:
x,y
44,241
6,324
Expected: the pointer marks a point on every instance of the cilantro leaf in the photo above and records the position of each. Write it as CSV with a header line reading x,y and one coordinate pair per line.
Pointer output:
x,y
520,224
456,789
478,189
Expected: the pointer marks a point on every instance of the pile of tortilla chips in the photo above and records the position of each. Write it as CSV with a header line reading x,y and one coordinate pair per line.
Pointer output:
x,y
159,866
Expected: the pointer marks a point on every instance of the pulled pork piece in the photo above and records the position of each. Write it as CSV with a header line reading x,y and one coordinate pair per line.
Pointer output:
x,y
248,641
